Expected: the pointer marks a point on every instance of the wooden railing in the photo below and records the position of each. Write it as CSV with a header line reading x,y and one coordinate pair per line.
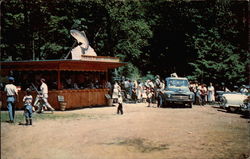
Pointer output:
x,y
74,98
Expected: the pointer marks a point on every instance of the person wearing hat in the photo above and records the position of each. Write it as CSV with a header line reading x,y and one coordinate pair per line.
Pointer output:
x,y
44,91
12,96
27,99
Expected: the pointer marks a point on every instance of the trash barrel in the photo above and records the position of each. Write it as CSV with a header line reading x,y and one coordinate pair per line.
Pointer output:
x,y
63,106
109,100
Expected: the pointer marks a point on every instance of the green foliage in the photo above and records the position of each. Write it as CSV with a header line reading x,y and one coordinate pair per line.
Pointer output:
x,y
148,76
218,58
199,40
128,28
129,71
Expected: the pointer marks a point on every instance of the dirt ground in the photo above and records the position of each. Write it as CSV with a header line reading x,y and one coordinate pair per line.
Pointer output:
x,y
141,133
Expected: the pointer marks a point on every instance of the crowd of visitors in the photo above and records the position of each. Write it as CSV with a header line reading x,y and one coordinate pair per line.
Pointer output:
x,y
125,90
139,91
149,91
203,94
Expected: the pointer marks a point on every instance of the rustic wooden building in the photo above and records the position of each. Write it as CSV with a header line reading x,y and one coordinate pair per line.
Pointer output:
x,y
56,73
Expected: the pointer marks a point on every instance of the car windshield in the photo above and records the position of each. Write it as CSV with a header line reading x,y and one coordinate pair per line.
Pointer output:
x,y
177,83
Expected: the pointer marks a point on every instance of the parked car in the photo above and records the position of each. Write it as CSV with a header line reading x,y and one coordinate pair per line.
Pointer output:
x,y
232,101
177,92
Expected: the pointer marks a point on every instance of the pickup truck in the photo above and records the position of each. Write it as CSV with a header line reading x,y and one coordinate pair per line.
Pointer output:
x,y
177,92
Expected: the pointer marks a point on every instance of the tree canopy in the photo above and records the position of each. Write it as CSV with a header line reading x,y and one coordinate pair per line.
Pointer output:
x,y
204,41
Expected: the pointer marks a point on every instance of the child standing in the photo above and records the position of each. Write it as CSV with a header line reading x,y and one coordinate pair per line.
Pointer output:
x,y
27,99
149,96
119,108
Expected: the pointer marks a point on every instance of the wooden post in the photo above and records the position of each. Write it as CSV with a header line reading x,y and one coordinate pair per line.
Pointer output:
x,y
106,75
59,86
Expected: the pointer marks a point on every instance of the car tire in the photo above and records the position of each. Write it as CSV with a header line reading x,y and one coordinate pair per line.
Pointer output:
x,y
190,105
166,104
232,109
223,102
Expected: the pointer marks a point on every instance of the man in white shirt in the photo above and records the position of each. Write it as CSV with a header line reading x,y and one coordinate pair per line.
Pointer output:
x,y
44,91
11,92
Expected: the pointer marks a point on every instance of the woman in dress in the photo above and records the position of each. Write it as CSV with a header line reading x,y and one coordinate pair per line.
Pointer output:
x,y
210,95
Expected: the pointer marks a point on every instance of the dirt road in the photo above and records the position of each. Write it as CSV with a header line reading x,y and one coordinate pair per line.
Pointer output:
x,y
141,133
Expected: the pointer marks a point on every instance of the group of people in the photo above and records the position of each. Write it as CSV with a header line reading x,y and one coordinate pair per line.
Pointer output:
x,y
206,94
203,94
125,90
12,98
87,84
137,91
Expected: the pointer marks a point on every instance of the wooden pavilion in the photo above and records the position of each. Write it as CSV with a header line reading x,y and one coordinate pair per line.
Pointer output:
x,y
92,68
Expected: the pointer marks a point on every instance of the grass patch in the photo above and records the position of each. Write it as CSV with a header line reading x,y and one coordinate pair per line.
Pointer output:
x,y
19,117
141,145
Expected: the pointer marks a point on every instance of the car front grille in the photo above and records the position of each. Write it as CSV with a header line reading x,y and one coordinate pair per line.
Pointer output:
x,y
182,97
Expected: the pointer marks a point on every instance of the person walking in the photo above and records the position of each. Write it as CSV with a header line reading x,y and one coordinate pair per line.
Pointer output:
x,y
120,105
12,97
116,91
27,99
44,91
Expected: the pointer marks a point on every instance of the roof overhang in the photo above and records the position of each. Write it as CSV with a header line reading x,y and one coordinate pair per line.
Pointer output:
x,y
61,65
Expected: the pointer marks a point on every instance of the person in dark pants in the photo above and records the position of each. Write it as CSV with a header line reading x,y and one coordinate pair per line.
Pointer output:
x,y
159,99
12,96
157,88
27,99
203,94
120,107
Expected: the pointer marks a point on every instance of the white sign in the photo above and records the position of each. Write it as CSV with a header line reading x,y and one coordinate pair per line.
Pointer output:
x,y
60,98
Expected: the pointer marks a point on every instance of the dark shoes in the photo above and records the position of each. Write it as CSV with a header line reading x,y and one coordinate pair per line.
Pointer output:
x,y
9,121
28,122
